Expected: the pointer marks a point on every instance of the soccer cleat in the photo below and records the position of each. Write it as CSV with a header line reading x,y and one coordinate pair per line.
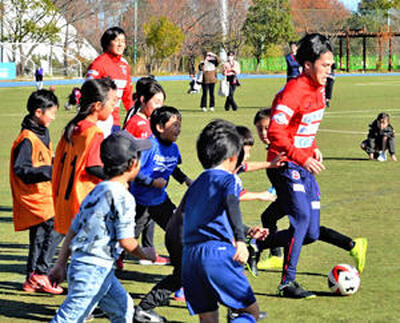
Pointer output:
x,y
160,261
382,156
294,290
212,109
272,262
180,295
28,286
359,253
148,316
254,256
43,284
204,109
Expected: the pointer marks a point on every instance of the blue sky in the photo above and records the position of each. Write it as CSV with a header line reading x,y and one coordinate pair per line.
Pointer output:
x,y
351,4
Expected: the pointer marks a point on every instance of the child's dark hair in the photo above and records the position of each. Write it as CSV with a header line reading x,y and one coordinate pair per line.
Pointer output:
x,y
262,114
311,47
111,170
382,116
41,99
218,141
161,116
246,135
72,99
109,35
92,91
146,87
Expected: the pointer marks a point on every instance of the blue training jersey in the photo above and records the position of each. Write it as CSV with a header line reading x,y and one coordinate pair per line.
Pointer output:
x,y
159,161
205,207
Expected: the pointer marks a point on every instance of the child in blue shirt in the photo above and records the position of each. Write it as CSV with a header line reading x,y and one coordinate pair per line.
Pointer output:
x,y
157,165
213,234
105,221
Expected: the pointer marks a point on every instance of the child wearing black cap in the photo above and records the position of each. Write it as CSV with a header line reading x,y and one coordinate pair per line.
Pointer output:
x,y
105,221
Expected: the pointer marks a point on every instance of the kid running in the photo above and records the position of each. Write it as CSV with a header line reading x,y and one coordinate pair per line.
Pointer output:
x,y
213,234
105,222
30,179
158,164
77,164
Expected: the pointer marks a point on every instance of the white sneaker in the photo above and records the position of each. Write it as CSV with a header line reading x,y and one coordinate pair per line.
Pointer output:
x,y
204,109
212,109
382,156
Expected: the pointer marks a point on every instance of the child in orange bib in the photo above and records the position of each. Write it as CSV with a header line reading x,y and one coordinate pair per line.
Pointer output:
x,y
30,179
77,164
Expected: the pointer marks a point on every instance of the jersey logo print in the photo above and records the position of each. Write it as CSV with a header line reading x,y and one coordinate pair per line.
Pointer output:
x,y
280,118
40,157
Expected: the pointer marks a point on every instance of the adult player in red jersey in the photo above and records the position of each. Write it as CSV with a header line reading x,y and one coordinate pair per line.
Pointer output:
x,y
296,115
112,64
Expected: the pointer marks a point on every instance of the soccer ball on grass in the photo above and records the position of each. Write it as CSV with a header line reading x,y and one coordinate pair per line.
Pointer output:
x,y
344,280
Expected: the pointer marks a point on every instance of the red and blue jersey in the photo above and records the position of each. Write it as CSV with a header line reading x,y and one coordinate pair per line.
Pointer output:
x,y
297,112
117,68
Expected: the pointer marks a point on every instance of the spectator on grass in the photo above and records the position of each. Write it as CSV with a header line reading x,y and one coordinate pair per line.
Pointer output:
x,y
380,138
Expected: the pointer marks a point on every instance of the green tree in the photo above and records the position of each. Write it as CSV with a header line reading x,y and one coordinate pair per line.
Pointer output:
x,y
163,39
33,21
268,22
373,14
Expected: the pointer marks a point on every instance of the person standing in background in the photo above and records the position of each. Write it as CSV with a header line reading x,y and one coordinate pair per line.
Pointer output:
x,y
209,68
112,64
39,78
293,68
231,69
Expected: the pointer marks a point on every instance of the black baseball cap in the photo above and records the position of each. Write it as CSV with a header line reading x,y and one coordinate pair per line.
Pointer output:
x,y
120,147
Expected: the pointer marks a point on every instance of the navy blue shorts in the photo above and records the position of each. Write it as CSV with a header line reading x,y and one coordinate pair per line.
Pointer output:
x,y
210,276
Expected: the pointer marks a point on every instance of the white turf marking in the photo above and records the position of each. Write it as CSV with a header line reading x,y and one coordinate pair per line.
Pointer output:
x,y
356,112
346,132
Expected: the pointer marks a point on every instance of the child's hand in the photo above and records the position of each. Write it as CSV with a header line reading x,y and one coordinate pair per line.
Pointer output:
x,y
242,254
266,196
149,253
277,161
57,274
159,182
258,233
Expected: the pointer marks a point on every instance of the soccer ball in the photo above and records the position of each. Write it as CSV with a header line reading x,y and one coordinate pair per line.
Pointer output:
x,y
344,280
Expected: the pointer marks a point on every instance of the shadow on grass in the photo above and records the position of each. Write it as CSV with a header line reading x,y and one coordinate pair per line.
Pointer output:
x,y
6,209
140,276
346,158
13,268
13,246
26,310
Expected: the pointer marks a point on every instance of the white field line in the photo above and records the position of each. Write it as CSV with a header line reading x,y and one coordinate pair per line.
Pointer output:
x,y
345,132
356,112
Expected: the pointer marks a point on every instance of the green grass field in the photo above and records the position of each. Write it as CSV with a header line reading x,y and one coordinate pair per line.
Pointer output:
x,y
359,198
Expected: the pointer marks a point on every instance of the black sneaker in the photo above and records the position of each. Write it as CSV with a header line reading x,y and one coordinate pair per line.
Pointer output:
x,y
254,256
294,290
142,316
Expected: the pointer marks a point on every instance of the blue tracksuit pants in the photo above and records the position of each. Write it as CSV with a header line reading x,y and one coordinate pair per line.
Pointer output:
x,y
298,194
